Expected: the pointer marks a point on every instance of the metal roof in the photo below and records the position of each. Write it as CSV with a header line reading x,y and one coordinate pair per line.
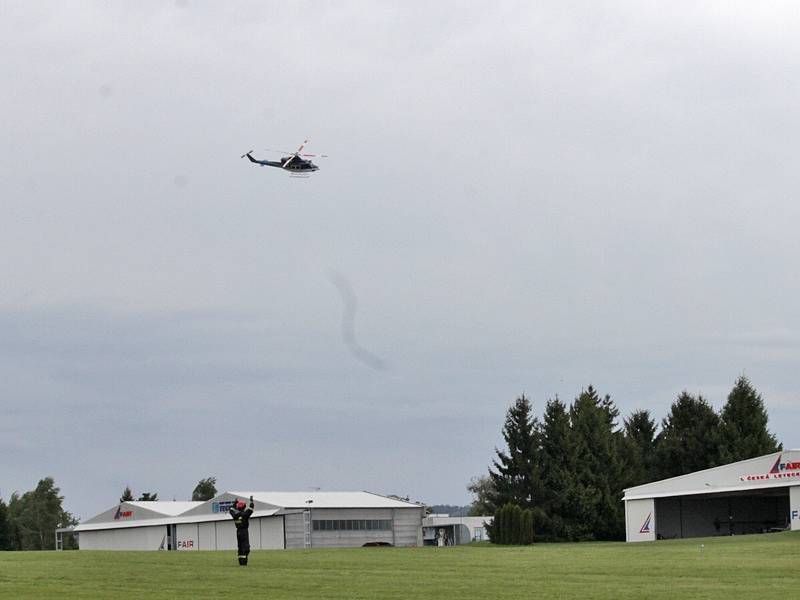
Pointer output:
x,y
776,470
166,507
436,520
327,500
205,518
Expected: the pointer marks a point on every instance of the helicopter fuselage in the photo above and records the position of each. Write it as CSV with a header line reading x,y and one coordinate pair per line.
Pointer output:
x,y
294,163
296,166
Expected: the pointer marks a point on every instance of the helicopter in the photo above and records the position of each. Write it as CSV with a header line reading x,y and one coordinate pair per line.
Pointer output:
x,y
296,163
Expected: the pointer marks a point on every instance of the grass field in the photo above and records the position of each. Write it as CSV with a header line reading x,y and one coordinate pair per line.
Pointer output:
x,y
760,567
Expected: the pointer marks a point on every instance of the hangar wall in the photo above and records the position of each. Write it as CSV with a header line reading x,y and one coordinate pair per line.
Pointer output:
x,y
794,507
271,533
207,535
187,536
134,538
407,528
640,520
226,534
344,538
404,529
295,530
266,533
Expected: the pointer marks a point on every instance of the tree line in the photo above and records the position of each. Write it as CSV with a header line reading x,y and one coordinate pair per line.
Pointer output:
x,y
205,489
28,521
570,468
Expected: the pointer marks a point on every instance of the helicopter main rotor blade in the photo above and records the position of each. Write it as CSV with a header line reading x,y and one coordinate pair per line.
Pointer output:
x,y
296,154
300,149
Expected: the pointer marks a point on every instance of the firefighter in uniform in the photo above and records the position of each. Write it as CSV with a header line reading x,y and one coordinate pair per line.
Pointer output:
x,y
241,517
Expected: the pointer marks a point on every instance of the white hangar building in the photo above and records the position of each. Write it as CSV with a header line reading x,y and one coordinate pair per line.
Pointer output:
x,y
752,496
280,520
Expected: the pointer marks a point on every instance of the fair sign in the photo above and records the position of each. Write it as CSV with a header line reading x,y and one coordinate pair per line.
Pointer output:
x,y
780,470
122,514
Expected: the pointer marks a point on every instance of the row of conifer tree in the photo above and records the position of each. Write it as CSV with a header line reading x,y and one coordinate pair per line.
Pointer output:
x,y
570,468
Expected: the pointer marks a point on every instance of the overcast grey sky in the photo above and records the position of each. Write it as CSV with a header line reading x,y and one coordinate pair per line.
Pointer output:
x,y
519,197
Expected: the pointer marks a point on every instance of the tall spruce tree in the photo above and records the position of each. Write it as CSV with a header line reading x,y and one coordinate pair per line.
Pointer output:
x,y
596,493
743,427
127,494
690,438
639,448
557,465
515,473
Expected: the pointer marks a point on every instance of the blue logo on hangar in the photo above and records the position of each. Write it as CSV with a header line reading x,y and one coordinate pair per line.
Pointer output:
x,y
221,507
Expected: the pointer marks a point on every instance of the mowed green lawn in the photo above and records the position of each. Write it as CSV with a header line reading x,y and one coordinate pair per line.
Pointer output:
x,y
762,567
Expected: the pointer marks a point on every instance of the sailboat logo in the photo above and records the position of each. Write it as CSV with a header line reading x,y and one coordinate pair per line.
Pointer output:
x,y
646,525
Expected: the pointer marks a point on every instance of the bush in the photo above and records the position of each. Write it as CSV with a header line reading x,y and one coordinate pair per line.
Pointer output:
x,y
512,526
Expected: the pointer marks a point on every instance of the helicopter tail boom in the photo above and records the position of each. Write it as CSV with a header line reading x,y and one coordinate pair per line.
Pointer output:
x,y
263,163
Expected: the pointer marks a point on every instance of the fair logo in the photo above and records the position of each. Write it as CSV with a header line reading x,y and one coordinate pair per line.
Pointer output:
x,y
780,470
122,514
781,467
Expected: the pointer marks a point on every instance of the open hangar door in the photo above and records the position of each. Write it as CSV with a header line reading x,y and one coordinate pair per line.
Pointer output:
x,y
733,513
